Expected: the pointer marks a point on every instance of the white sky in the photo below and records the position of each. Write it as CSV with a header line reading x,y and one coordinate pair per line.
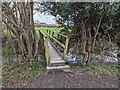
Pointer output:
x,y
42,18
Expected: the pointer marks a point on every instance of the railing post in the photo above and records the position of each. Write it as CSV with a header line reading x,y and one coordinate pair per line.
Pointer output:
x,y
42,43
66,47
46,50
49,33
58,36
52,34
47,30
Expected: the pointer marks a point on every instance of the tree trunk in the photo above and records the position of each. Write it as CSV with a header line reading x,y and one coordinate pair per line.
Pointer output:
x,y
96,33
84,38
89,45
21,24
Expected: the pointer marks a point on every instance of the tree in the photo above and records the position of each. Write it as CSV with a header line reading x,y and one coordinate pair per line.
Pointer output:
x,y
88,21
18,16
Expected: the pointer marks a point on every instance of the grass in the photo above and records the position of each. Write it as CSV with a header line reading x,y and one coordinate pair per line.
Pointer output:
x,y
44,30
106,68
18,71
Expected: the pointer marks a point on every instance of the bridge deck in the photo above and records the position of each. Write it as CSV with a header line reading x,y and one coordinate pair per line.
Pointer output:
x,y
56,62
53,54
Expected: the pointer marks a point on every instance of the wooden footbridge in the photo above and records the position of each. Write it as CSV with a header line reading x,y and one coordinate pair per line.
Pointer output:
x,y
56,46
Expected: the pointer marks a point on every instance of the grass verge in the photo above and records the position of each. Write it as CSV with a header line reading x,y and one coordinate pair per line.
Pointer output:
x,y
18,71
100,68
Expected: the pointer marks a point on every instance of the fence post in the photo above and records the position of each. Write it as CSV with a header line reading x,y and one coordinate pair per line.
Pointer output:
x,y
46,50
47,30
49,33
66,46
42,44
58,36
52,34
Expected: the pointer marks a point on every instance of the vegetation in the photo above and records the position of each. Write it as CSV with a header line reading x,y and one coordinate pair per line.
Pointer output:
x,y
89,26
44,30
18,18
92,27
99,68
18,71
92,24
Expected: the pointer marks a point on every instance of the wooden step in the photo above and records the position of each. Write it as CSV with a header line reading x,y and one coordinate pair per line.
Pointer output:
x,y
57,63
54,62
56,59
65,68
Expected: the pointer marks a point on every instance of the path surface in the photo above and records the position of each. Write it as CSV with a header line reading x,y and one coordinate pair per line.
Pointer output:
x,y
68,80
74,80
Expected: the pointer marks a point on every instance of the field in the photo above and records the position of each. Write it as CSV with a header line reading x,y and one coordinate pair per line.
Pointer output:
x,y
44,29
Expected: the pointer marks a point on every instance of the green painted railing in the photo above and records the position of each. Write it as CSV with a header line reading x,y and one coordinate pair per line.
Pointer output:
x,y
59,42
45,44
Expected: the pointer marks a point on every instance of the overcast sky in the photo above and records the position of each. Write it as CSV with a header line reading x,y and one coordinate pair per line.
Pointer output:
x,y
42,18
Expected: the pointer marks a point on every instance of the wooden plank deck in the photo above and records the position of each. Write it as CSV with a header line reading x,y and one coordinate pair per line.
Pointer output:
x,y
53,54
56,62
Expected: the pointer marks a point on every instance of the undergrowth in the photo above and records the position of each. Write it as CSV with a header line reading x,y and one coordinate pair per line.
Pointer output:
x,y
106,68
18,71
